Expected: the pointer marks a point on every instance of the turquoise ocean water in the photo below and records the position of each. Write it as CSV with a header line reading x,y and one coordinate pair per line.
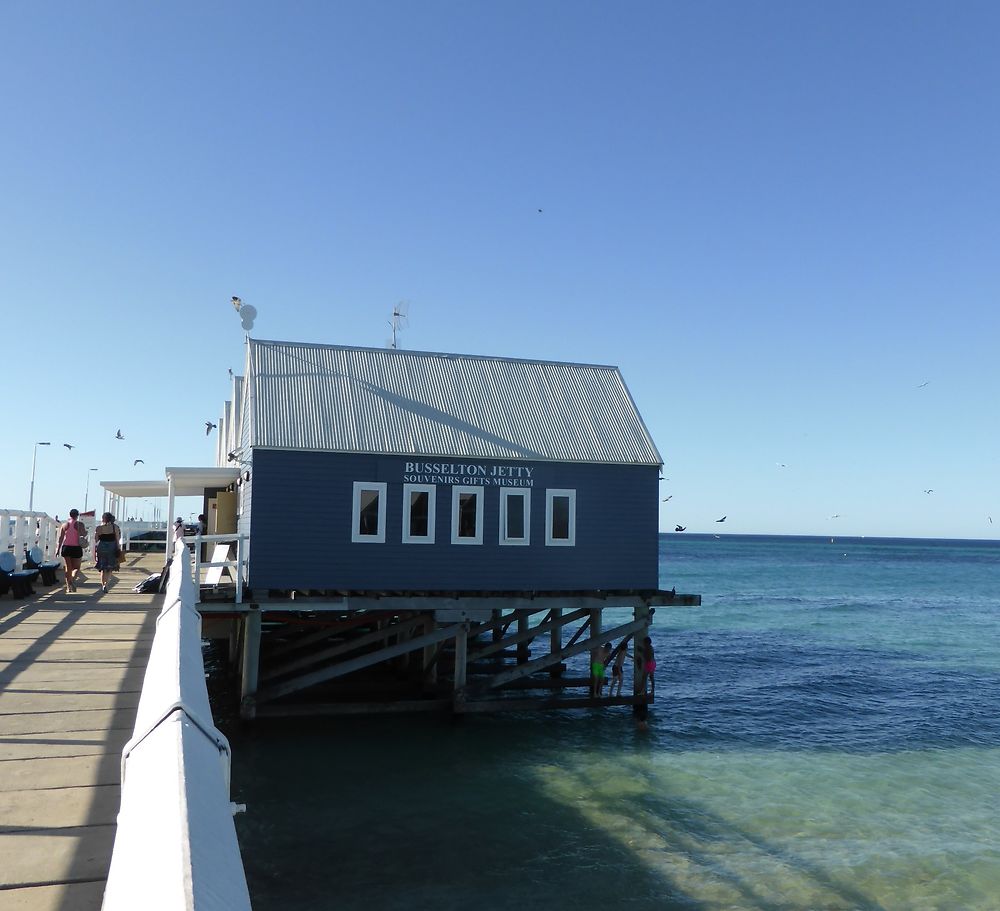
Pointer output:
x,y
826,736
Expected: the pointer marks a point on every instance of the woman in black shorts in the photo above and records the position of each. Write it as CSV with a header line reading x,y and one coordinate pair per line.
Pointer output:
x,y
69,546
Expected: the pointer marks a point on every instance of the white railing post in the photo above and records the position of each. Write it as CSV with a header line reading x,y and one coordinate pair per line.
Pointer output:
x,y
239,569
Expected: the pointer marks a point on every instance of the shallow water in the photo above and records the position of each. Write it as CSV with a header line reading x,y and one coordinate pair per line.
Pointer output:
x,y
825,737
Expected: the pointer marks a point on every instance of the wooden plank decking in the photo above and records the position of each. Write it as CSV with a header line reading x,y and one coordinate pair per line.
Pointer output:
x,y
71,669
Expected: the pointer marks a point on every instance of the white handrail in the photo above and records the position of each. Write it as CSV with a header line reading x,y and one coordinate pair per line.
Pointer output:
x,y
21,530
176,844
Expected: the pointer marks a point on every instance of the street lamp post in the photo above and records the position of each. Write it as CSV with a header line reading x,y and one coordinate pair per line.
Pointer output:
x,y
31,492
86,495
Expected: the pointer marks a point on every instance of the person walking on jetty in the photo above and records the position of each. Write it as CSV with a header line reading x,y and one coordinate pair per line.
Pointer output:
x,y
107,550
647,661
72,536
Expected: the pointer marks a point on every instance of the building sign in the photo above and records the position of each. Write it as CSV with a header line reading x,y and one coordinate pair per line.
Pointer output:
x,y
488,475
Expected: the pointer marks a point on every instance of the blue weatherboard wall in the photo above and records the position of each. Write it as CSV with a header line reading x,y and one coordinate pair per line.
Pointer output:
x,y
301,533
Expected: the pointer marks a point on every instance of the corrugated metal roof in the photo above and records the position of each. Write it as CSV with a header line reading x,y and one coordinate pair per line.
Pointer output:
x,y
343,399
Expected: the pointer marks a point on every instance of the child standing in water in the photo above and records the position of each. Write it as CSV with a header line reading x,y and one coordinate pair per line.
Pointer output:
x,y
598,669
618,668
647,661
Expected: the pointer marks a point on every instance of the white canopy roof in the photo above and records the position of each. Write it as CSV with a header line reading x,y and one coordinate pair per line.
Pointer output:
x,y
187,482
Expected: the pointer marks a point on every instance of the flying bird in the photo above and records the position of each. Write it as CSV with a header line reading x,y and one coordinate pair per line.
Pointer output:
x,y
680,528
68,445
230,369
138,462
781,464
931,490
668,498
836,515
539,210
991,519
723,519
237,303
209,427
118,436
921,386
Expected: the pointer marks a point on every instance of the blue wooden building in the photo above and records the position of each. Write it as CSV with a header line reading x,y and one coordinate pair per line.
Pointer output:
x,y
378,469
450,497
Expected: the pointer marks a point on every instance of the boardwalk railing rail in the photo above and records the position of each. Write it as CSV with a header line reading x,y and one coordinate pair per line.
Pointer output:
x,y
20,529
236,567
176,845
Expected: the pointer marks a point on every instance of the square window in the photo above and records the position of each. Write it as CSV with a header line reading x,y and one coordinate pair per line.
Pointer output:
x,y
368,512
419,502
466,515
560,518
515,517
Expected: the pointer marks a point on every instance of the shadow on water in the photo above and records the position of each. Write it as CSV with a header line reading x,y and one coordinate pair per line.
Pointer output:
x,y
426,813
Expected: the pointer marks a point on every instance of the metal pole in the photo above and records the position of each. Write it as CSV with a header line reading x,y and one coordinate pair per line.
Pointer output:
x,y
31,492
86,495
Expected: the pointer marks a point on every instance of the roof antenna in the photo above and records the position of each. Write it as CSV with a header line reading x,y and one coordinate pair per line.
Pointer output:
x,y
400,320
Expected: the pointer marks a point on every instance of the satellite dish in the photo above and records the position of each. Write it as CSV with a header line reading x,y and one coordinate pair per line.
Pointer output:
x,y
7,562
35,554
248,313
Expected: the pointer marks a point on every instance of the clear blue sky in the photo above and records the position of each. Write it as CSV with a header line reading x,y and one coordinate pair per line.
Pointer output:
x,y
779,219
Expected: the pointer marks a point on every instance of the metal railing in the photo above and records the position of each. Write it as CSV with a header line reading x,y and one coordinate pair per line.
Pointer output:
x,y
236,567
176,844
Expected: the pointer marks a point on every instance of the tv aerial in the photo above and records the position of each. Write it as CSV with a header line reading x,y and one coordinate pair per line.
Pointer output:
x,y
400,320
247,312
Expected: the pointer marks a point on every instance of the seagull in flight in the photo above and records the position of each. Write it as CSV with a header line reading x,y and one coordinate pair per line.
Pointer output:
x,y
68,445
921,386
668,498
723,519
209,427
230,369
680,528
138,462
781,464
118,436
836,515
930,490
237,303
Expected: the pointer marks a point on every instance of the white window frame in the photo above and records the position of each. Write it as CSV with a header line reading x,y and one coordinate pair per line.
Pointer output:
x,y
431,491
456,491
356,536
525,494
550,495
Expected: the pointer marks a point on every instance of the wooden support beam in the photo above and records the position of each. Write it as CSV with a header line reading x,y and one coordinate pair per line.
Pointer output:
x,y
251,664
522,644
461,655
351,645
277,690
583,628
430,654
329,629
526,636
538,664
555,638
555,702
406,706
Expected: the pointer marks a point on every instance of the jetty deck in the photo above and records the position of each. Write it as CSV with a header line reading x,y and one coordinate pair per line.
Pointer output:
x,y
71,670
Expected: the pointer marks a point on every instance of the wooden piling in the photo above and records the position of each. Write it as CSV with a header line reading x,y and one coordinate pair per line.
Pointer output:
x,y
251,662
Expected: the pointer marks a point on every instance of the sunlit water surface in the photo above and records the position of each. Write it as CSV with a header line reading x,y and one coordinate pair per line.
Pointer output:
x,y
826,736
